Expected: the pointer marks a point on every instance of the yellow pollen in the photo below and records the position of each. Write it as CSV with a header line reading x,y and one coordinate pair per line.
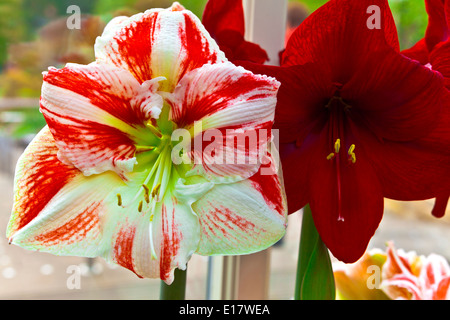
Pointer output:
x,y
351,149
140,206
146,193
351,153
337,145
156,190
119,200
330,156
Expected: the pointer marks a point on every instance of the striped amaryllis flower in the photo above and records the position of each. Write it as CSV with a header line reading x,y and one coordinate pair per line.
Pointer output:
x,y
100,180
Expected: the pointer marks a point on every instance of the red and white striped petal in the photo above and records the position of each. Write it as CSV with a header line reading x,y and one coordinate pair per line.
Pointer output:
x,y
159,42
234,110
96,114
60,211
242,217
57,209
159,238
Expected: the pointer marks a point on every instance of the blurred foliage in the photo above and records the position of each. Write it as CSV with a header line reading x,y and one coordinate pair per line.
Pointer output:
x,y
12,25
411,19
28,122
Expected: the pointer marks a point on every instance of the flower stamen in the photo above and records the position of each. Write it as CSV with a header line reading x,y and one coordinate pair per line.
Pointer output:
x,y
337,145
146,193
351,154
155,190
140,149
154,129
152,245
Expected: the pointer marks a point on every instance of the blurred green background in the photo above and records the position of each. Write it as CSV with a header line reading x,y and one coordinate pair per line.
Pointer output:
x,y
33,36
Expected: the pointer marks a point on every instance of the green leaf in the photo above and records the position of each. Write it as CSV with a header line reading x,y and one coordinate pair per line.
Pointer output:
x,y
318,282
315,279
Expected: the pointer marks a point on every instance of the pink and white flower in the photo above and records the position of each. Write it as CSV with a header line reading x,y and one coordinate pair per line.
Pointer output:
x,y
411,277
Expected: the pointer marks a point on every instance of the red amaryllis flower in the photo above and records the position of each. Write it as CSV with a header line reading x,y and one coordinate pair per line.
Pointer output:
x,y
434,51
224,20
358,122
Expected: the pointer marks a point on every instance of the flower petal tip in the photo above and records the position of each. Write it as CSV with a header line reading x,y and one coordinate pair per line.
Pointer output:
x,y
176,6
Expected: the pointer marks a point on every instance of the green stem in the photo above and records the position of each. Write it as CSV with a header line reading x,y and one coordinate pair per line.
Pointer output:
x,y
177,290
308,239
314,279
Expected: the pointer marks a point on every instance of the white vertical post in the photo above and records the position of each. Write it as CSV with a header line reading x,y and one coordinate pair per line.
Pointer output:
x,y
265,24
224,277
246,277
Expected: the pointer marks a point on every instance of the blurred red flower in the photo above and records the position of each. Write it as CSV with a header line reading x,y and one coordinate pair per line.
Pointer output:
x,y
224,20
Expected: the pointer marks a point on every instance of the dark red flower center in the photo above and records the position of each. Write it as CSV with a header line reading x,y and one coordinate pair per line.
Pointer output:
x,y
339,113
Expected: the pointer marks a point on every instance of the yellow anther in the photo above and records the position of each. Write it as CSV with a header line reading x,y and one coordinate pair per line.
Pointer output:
x,y
156,190
154,129
151,218
119,200
146,193
330,156
351,149
337,145
140,206
145,148
351,154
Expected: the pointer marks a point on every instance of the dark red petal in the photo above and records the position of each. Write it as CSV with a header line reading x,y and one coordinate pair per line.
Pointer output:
x,y
225,21
295,162
230,38
415,170
440,61
337,37
418,52
440,206
347,206
447,12
397,98
303,94
251,52
237,48
437,30
220,15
